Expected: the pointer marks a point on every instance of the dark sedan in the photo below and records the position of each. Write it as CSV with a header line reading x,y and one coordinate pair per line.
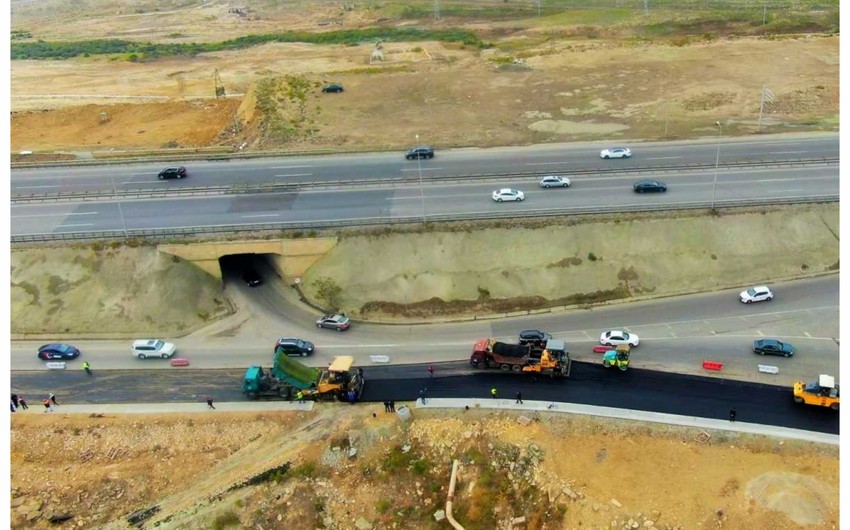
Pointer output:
x,y
773,347
58,352
647,186
252,277
333,87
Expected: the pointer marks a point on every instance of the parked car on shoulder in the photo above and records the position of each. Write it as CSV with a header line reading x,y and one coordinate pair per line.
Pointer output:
x,y
337,321
58,352
554,181
420,152
759,293
146,348
332,87
177,172
616,337
508,194
773,347
616,152
298,347
649,186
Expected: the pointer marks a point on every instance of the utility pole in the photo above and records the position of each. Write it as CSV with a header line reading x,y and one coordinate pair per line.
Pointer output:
x,y
437,9
646,7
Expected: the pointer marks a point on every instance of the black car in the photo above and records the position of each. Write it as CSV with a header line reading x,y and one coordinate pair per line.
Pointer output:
x,y
644,186
536,338
58,352
420,152
252,277
297,347
173,173
333,87
773,347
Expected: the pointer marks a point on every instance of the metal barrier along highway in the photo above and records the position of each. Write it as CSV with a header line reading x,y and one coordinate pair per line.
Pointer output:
x,y
293,187
162,233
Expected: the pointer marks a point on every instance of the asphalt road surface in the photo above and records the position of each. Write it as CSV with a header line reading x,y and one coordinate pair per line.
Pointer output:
x,y
410,201
555,158
590,384
676,334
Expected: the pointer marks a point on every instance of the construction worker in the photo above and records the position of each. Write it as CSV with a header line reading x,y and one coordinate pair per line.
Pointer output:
x,y
87,367
300,396
494,393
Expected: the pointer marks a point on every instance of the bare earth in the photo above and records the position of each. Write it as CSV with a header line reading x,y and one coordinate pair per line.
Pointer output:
x,y
449,95
558,471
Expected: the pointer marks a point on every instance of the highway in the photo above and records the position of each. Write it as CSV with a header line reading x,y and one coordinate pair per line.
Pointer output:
x,y
384,204
676,333
545,158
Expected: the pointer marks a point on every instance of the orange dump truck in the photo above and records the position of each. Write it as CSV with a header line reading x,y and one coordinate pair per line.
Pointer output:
x,y
553,361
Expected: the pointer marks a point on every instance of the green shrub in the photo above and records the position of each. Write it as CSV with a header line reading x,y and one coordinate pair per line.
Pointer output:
x,y
225,520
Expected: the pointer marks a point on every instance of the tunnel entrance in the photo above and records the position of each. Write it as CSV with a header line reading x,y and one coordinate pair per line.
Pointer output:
x,y
252,270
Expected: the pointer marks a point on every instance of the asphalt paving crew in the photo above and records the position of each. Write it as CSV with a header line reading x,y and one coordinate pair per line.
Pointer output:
x,y
47,407
52,398
87,367
23,402
519,398
494,393
300,396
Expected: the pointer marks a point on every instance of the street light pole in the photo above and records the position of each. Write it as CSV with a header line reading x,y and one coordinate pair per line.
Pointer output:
x,y
421,190
716,164
120,212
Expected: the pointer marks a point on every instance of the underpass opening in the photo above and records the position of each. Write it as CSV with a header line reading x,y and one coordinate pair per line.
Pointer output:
x,y
252,270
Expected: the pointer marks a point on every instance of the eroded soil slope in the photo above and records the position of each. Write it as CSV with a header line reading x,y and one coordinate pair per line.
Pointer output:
x,y
557,471
102,290
470,269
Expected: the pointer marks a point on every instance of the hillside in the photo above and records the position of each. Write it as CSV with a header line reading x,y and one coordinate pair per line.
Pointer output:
x,y
296,470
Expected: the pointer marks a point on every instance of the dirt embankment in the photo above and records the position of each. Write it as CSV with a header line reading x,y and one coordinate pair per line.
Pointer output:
x,y
475,270
342,468
105,289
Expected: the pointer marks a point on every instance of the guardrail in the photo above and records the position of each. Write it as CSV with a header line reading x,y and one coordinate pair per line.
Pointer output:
x,y
164,233
292,187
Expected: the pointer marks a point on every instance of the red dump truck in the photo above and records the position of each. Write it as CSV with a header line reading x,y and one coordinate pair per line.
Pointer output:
x,y
553,361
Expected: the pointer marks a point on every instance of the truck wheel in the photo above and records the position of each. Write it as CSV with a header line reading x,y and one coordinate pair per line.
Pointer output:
x,y
505,367
606,363
283,392
798,399
252,395
834,406
516,368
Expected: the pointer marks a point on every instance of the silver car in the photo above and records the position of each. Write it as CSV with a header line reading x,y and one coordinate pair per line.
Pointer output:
x,y
554,181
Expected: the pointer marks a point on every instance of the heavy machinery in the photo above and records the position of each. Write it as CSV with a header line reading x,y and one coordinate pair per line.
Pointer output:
x,y
287,377
619,357
553,360
823,392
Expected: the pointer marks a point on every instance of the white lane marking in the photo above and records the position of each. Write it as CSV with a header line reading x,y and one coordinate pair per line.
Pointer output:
x,y
78,224
786,191
295,175
664,158
423,169
806,333
146,181
288,167
786,152
261,215
55,214
26,187
542,163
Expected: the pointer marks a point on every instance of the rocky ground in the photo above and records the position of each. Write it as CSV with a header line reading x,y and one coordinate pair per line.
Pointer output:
x,y
347,468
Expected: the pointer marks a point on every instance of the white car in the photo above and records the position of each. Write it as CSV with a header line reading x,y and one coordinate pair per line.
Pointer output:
x,y
554,181
616,152
616,337
759,293
152,348
507,194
